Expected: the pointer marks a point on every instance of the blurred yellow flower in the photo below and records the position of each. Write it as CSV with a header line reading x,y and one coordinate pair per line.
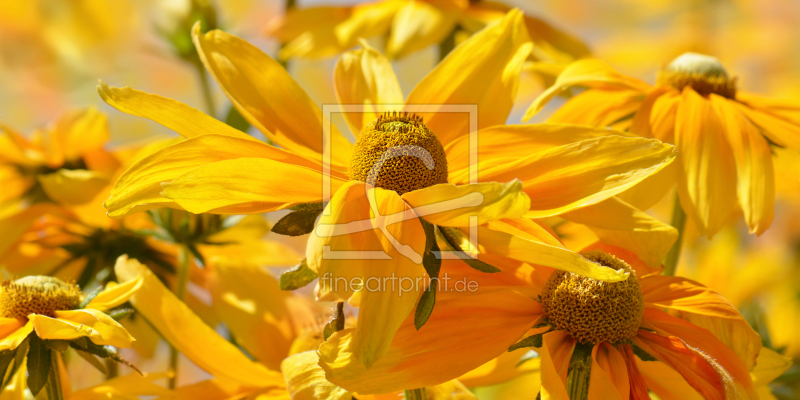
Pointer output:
x,y
723,135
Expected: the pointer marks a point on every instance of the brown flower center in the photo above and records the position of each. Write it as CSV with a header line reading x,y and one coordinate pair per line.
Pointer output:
x,y
593,311
42,295
398,152
704,74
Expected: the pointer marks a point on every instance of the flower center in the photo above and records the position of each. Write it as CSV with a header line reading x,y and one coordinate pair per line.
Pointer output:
x,y
704,74
42,295
593,311
398,152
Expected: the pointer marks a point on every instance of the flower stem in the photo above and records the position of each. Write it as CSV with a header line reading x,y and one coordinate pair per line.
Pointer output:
x,y
580,372
54,389
679,223
204,85
415,394
180,292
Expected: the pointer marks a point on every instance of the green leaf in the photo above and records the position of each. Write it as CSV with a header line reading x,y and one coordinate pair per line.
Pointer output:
x,y
201,260
297,277
6,357
92,359
328,330
425,305
336,323
236,120
39,364
84,344
297,223
643,355
120,314
89,297
451,239
530,341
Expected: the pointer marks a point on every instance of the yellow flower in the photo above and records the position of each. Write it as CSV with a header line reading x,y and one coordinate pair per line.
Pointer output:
x,y
326,31
723,135
64,163
669,335
221,170
52,308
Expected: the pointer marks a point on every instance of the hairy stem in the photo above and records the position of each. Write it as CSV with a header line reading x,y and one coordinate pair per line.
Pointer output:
x,y
679,223
415,394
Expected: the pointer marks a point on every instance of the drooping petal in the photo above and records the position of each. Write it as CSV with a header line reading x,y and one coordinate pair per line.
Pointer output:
x,y
56,328
483,71
365,77
583,173
450,205
755,186
636,263
638,386
140,186
505,143
127,387
496,319
557,347
665,382
600,108
417,25
392,286
641,124
268,97
105,330
519,240
618,223
305,379
13,332
73,186
704,308
172,318
114,295
778,120
590,73
609,376
662,116
217,388
502,369
706,170
260,184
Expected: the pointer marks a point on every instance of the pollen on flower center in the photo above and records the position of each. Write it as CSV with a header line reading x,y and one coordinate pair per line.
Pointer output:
x,y
704,74
593,311
42,295
398,152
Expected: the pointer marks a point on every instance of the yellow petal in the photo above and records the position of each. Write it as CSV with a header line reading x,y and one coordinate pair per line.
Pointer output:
x,y
56,328
583,173
305,379
552,43
367,20
185,120
600,107
391,286
450,205
13,332
140,186
417,25
770,366
609,376
706,173
497,318
451,390
15,389
263,319
125,388
267,96
778,120
519,240
557,347
650,191
589,73
617,223
242,182
104,329
204,346
217,388
79,132
483,71
505,143
73,186
662,116
114,295
502,369
365,77
754,172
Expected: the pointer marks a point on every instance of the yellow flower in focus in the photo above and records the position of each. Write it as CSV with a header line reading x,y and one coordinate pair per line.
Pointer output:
x,y
52,309
723,135
668,335
64,163
325,31
375,188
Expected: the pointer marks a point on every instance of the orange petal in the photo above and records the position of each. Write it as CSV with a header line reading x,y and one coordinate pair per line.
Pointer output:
x,y
609,377
638,386
556,352
706,174
496,319
778,120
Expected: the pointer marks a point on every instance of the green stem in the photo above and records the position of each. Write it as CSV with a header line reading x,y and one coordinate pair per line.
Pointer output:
x,y
448,44
54,389
679,223
113,369
184,256
415,394
579,372
206,87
